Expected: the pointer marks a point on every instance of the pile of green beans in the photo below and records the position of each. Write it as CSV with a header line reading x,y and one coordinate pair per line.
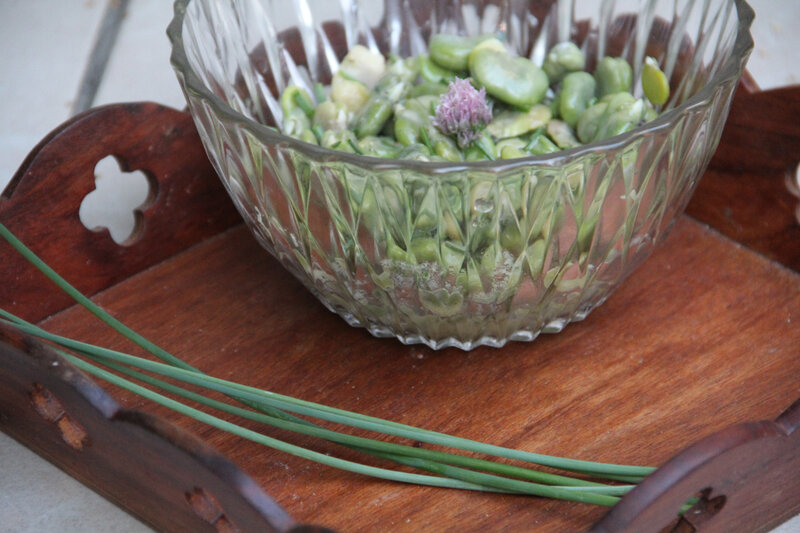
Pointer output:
x,y
387,108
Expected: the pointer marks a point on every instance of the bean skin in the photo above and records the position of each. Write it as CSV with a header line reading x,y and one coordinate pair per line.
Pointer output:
x,y
433,73
613,75
562,59
511,79
539,144
515,123
654,83
576,93
374,116
560,132
452,51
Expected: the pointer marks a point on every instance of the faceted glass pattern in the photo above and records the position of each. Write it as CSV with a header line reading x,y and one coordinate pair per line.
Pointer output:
x,y
455,254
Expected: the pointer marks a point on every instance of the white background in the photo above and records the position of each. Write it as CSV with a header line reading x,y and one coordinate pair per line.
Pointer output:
x,y
44,45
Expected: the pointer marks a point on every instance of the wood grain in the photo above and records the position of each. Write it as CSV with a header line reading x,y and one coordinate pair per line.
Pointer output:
x,y
750,192
732,470
702,351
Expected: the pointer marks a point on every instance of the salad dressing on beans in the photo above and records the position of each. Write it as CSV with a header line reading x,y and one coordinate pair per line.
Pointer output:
x,y
471,99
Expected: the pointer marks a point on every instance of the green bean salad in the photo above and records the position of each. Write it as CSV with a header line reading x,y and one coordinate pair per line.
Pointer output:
x,y
471,99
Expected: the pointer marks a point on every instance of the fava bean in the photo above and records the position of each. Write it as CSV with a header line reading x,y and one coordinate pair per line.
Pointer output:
x,y
351,94
395,253
649,114
404,108
295,121
512,152
623,118
308,136
428,88
407,128
410,117
562,59
452,51
554,105
373,117
561,134
515,142
433,73
331,139
415,152
393,86
363,65
612,115
613,75
576,92
512,79
488,44
515,123
425,249
379,147
589,122
539,144
446,148
331,116
654,82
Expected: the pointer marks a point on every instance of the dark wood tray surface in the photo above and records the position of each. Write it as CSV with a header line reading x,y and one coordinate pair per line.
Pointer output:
x,y
702,336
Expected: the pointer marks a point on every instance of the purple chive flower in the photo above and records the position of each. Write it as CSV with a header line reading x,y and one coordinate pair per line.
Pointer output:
x,y
462,111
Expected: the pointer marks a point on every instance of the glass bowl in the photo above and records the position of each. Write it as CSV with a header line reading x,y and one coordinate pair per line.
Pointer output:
x,y
456,254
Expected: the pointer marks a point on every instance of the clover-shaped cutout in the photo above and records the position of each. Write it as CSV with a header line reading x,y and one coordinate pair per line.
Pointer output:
x,y
116,202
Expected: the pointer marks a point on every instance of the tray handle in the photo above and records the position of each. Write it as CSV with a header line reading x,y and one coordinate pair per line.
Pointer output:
x,y
730,471
41,203
150,467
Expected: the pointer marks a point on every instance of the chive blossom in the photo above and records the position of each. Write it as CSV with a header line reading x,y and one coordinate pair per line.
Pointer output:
x,y
463,111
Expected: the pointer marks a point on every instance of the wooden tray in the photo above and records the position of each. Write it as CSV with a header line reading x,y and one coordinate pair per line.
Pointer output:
x,y
672,370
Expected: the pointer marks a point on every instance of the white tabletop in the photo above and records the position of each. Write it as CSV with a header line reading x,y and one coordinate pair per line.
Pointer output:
x,y
44,46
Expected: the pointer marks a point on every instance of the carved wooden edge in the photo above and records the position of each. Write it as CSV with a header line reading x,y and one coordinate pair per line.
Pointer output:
x,y
155,470
746,476
750,191
187,203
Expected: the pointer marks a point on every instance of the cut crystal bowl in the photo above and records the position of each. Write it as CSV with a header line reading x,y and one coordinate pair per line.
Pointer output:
x,y
456,254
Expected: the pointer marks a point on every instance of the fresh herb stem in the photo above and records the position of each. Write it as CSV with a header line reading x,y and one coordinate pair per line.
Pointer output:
x,y
408,455
267,400
484,151
302,102
317,130
285,403
245,433
92,307
423,133
319,93
485,481
355,147
396,452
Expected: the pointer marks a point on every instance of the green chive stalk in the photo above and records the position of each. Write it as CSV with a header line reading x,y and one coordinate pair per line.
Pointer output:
x,y
273,407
